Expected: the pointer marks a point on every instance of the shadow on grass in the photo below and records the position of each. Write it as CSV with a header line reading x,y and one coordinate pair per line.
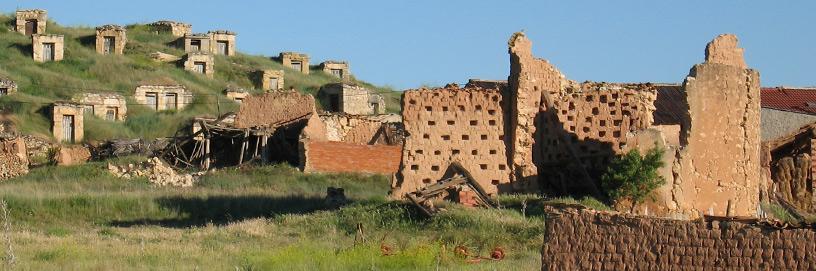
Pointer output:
x,y
24,49
222,210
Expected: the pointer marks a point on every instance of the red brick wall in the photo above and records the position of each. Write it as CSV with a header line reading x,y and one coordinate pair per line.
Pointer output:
x,y
348,157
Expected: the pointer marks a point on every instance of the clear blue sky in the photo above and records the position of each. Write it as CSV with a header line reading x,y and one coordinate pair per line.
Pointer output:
x,y
406,44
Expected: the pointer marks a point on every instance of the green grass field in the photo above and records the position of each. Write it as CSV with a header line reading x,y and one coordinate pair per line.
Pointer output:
x,y
83,70
261,218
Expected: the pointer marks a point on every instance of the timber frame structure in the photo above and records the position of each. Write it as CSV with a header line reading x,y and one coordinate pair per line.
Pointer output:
x,y
217,144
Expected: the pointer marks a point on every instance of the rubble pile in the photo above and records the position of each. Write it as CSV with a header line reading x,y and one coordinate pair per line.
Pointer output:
x,y
157,172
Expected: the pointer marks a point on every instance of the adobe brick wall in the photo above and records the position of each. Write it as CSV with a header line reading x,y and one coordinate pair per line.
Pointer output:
x,y
350,157
273,108
452,124
588,240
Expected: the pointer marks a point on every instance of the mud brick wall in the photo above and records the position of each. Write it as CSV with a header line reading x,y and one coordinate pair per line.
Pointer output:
x,y
588,240
453,124
350,157
273,108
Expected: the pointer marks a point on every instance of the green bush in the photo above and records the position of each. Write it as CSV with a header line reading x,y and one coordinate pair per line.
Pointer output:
x,y
633,176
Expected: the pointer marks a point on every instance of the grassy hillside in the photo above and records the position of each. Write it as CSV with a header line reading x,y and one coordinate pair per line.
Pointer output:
x,y
85,71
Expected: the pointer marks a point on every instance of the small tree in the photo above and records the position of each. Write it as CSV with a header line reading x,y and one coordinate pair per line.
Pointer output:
x,y
633,177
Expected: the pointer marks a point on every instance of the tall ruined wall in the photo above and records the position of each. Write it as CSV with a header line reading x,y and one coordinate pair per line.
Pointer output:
x,y
452,124
586,240
274,108
593,119
718,168
328,156
529,80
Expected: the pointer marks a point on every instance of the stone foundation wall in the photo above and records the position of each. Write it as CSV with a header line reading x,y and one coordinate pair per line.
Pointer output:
x,y
349,157
588,240
453,124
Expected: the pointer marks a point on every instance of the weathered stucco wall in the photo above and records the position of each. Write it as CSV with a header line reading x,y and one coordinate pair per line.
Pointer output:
x,y
274,108
718,168
38,42
329,156
452,124
777,123
588,240
59,111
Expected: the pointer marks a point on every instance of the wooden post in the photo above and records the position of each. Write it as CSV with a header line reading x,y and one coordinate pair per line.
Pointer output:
x,y
244,146
207,153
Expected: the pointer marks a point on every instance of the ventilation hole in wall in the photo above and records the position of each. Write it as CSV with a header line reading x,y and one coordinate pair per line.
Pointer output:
x,y
445,108
614,96
437,152
502,167
483,166
455,151
632,123
601,133
572,128
412,102
624,104
622,145
589,98
431,123
450,122
634,107
571,106
616,134
428,108
563,112
586,129
495,98
484,137
611,104
626,113
495,182
588,119
617,122
474,123
602,122
461,108
570,118
435,168
613,112
465,137
595,111
418,151
493,151
478,108
603,98
426,136
491,112
492,122
474,152
501,137
414,167
426,181
446,137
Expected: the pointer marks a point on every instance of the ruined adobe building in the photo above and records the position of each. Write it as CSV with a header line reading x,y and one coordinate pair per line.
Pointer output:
x,y
111,39
295,61
30,22
47,48
222,42
163,94
176,29
7,86
788,168
545,133
107,106
339,69
68,122
351,99
269,79
199,62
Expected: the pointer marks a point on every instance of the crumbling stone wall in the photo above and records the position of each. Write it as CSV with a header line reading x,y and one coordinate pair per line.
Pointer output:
x,y
200,63
274,108
59,111
39,41
336,68
329,156
197,43
115,32
7,86
222,42
165,94
269,79
13,158
448,125
236,94
588,240
288,58
358,129
718,168
351,99
177,29
788,168
72,155
108,106
37,16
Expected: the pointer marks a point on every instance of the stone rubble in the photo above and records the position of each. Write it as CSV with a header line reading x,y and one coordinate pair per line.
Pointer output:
x,y
157,172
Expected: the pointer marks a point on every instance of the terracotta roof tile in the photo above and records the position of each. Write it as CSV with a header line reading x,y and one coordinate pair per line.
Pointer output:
x,y
799,100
